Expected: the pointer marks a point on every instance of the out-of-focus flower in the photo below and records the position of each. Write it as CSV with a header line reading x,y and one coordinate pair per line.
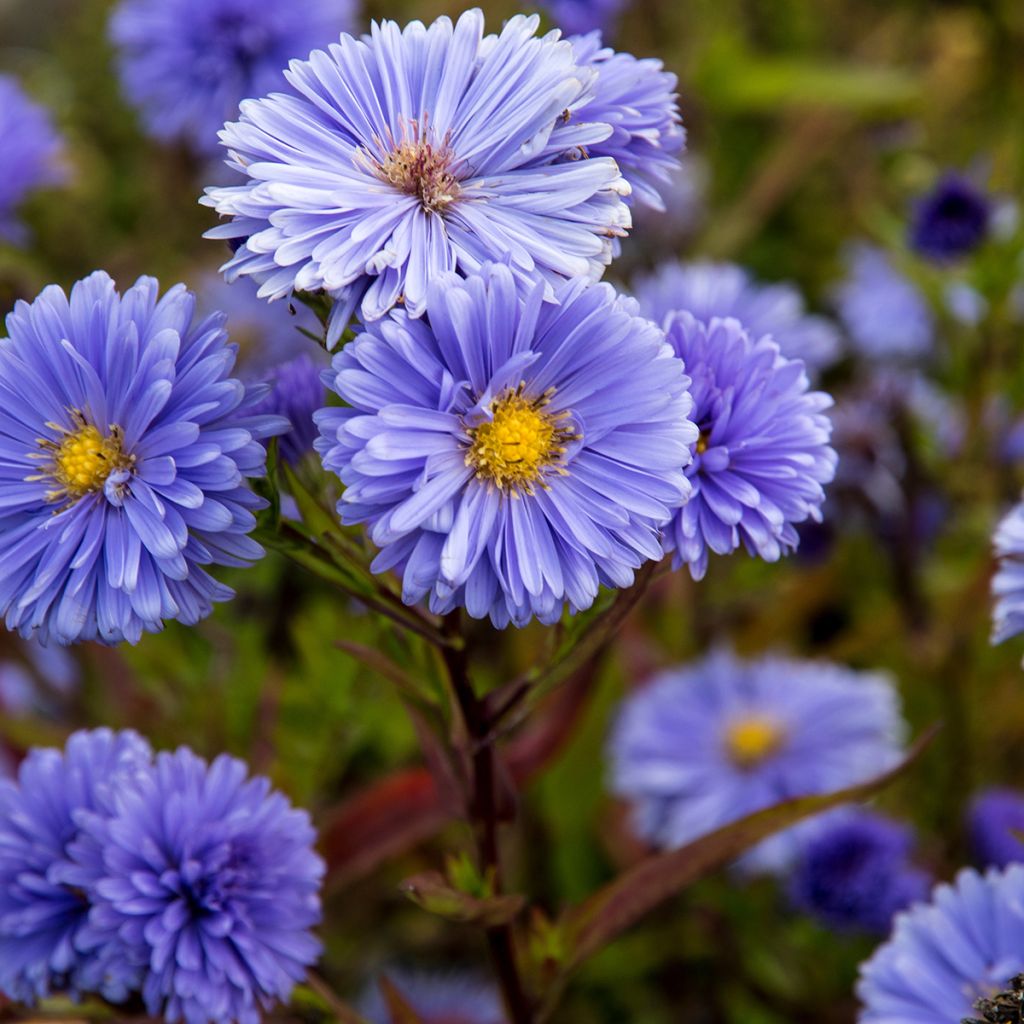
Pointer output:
x,y
31,150
42,916
28,685
708,743
205,880
124,444
685,196
296,393
995,821
709,290
965,303
943,955
950,221
638,99
576,17
763,453
855,873
882,310
1008,582
437,999
186,65
510,456
370,178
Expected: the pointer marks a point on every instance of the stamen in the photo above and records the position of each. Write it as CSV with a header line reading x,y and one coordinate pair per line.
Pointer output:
x,y
751,740
81,461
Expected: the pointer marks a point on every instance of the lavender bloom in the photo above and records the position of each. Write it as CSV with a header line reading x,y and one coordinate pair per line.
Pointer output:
x,y
124,444
510,456
855,874
577,17
943,955
703,745
437,999
709,290
188,64
42,917
995,821
1008,582
951,221
408,154
884,313
296,393
32,150
763,452
206,881
638,99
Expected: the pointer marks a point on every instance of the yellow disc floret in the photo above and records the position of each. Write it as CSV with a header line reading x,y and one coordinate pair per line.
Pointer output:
x,y
81,461
752,739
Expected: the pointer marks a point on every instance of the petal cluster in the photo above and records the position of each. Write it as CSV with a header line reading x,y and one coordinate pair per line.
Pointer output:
x,y
995,820
952,220
1008,582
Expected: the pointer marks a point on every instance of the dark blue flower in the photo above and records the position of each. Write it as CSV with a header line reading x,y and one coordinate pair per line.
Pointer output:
x,y
995,822
951,220
576,17
437,999
296,393
1008,582
124,448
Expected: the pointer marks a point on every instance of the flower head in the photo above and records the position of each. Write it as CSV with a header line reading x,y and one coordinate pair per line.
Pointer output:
x,y
32,150
42,916
576,17
1008,582
510,456
995,822
951,220
637,98
410,153
206,881
944,955
188,64
709,290
763,453
706,744
296,393
437,999
855,873
124,444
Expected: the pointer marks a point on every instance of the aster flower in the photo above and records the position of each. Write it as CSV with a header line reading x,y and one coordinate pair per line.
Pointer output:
x,y
951,221
32,150
42,917
576,17
943,955
855,874
296,393
703,745
372,176
709,290
995,821
1008,582
437,999
638,99
510,456
763,452
206,881
882,310
188,64
123,447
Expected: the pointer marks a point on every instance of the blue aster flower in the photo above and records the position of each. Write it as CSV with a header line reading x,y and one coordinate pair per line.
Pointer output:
x,y
1008,582
32,153
963,945
296,393
206,881
577,17
951,220
437,999
188,64
42,915
124,445
884,313
638,99
856,872
763,453
709,290
995,823
510,456
708,743
410,153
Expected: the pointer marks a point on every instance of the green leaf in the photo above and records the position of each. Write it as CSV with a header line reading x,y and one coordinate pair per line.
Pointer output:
x,y
435,894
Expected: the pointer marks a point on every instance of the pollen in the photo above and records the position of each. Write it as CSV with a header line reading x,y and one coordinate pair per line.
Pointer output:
x,y
81,461
519,444
417,166
751,740
702,442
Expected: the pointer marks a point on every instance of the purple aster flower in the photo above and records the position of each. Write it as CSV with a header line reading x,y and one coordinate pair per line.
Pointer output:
x,y
124,444
709,290
943,955
437,999
882,310
1008,582
703,745
206,880
763,453
995,821
296,393
406,154
42,916
951,221
855,873
32,150
638,99
188,64
510,455
576,17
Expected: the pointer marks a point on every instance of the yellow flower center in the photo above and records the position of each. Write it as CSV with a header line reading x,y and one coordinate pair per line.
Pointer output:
x,y
702,442
750,740
519,443
416,166
83,459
